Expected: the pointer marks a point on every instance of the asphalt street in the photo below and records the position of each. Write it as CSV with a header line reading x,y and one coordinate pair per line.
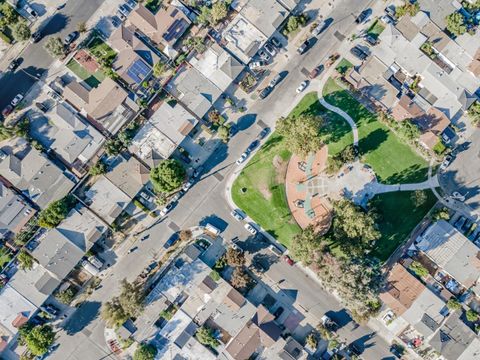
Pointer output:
x,y
35,60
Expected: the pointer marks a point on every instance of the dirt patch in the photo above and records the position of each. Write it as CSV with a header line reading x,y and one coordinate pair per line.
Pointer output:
x,y
281,169
265,191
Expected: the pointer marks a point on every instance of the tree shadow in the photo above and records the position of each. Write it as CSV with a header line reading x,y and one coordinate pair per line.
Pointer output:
x,y
372,141
245,121
413,174
82,317
55,24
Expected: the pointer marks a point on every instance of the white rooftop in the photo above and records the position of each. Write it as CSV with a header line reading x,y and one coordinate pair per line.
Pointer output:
x,y
12,303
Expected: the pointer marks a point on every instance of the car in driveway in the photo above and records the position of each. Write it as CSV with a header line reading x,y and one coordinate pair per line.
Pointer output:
x,y
70,38
253,145
270,49
275,42
7,110
265,92
16,100
263,133
358,53
263,55
41,106
363,16
237,215
371,40
302,49
242,158
14,64
448,159
249,227
303,85
30,11
166,209
256,64
316,71
171,240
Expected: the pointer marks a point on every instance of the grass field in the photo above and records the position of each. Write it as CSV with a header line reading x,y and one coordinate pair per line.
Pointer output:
x,y
93,80
100,50
392,160
376,29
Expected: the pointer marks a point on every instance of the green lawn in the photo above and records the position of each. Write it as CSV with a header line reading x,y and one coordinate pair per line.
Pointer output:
x,y
343,66
376,29
392,160
264,199
398,216
93,80
100,50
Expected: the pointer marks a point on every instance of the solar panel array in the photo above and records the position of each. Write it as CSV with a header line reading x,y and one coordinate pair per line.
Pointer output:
x,y
138,71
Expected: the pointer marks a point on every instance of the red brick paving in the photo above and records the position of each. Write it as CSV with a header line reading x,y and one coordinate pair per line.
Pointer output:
x,y
87,61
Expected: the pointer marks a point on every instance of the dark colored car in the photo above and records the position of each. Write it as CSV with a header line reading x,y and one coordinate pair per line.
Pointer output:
x,y
171,240
14,64
197,172
363,16
304,47
70,38
264,133
36,36
371,40
41,106
359,53
316,71
253,145
265,92
275,42
8,110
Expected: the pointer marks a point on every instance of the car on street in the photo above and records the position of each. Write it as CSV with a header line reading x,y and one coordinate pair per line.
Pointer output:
x,y
14,64
303,85
316,71
166,209
70,38
263,55
270,49
256,64
133,249
288,260
275,42
197,172
363,16
36,36
16,100
302,49
253,145
242,158
171,240
265,92
177,196
8,110
237,215
145,237
250,228
358,53
263,133
275,80
448,159
187,185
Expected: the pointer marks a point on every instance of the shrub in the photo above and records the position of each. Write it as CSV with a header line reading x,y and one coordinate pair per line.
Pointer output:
x,y
453,304
418,269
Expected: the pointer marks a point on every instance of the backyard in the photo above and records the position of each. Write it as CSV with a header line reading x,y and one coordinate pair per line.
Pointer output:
x,y
101,51
91,79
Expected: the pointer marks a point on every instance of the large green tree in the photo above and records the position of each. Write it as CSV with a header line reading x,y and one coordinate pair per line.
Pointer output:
x,y
25,260
304,246
55,212
474,113
21,31
37,338
128,304
167,176
145,352
301,133
205,336
219,12
456,24
54,47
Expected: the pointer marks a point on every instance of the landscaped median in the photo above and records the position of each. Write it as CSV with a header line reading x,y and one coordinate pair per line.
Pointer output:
x,y
259,190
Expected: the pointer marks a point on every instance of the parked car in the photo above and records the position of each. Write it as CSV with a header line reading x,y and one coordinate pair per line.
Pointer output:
x,y
275,80
328,323
41,106
253,145
8,110
30,11
36,36
242,158
263,55
144,195
387,20
446,162
275,250
302,49
187,185
288,260
256,64
303,85
197,172
270,49
70,38
14,64
132,250
237,215
391,11
16,100
358,52
166,209
371,40
171,240
265,92
275,42
320,28
177,196
316,71
363,16
263,133
250,229
124,9
52,309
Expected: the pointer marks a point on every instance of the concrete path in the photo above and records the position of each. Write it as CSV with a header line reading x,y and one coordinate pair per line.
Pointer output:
x,y
342,114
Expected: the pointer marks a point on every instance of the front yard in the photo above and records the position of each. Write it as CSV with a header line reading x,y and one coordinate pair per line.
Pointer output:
x,y
93,80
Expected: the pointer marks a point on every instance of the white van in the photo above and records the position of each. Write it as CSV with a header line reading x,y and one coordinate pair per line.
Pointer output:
x,y
212,229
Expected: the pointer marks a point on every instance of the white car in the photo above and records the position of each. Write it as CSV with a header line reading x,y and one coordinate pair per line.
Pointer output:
x,y
242,158
302,86
446,162
187,185
250,229
386,19
16,100
166,209
237,215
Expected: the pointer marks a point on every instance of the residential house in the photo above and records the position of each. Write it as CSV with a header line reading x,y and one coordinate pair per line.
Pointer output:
x,y
135,59
453,253
107,106
128,174
32,173
164,28
15,212
412,303
194,90
64,246
218,66
162,133
65,132
254,24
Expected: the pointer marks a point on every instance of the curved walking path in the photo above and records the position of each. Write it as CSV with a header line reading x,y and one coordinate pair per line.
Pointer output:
x,y
342,114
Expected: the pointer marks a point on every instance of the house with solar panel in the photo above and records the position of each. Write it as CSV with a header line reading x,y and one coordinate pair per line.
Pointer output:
x,y
164,28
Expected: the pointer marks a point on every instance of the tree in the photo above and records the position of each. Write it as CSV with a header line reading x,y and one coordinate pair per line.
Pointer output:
x,y
145,352
471,315
292,24
474,113
441,214
98,168
419,197
8,12
25,260
158,69
456,24
185,235
65,296
205,336
21,31
197,43
37,338
453,304
131,298
305,245
112,313
114,147
312,341
223,133
6,132
240,278
54,47
55,212
301,133
219,12
82,26
418,269
353,228
205,15
407,8
235,257
167,176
